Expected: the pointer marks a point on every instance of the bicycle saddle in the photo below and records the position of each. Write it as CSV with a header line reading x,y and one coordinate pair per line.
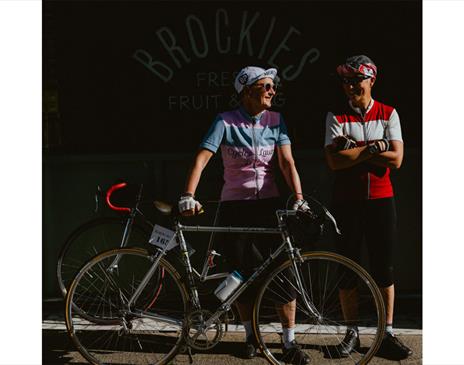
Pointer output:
x,y
163,207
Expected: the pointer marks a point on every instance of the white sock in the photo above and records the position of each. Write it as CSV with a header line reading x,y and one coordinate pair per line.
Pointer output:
x,y
248,328
288,335
353,328
389,329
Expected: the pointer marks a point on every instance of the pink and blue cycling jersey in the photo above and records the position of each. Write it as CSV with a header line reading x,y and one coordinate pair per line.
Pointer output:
x,y
247,146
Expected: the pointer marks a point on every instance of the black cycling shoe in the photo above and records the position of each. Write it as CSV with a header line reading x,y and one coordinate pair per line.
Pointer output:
x,y
251,348
295,355
392,348
348,345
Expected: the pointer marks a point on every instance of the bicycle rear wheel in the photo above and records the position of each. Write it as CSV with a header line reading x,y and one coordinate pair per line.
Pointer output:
x,y
330,282
149,332
91,238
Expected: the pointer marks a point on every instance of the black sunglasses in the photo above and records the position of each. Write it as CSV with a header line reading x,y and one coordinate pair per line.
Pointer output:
x,y
354,80
268,86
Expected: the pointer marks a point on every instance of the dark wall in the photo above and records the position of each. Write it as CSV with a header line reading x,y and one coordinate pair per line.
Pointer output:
x,y
124,78
151,76
70,183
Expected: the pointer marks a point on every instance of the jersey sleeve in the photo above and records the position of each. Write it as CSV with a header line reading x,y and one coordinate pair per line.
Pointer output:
x,y
332,128
283,138
393,130
214,136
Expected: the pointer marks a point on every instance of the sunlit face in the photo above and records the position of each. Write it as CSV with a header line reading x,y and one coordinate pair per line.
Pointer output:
x,y
356,88
260,94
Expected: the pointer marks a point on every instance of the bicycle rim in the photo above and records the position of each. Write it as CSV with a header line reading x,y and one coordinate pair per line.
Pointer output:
x,y
90,239
328,281
109,333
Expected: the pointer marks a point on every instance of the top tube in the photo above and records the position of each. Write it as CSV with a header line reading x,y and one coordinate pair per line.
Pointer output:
x,y
229,229
279,230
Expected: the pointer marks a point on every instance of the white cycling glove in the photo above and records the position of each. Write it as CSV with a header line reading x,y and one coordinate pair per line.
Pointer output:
x,y
301,205
189,203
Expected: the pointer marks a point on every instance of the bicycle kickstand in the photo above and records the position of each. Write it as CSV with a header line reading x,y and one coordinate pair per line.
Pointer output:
x,y
187,349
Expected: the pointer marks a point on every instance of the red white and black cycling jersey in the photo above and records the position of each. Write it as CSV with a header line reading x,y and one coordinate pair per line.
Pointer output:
x,y
364,180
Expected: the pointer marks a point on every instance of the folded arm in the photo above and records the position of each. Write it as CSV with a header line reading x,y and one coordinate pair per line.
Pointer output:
x,y
343,159
392,158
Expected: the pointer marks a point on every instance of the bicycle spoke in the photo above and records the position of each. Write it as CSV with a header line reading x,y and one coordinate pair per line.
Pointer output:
x,y
90,239
137,336
321,336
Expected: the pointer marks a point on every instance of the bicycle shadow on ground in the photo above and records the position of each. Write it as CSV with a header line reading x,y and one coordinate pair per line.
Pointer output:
x,y
57,349
327,352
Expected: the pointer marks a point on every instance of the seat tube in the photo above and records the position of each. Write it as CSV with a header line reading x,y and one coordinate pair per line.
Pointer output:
x,y
184,251
188,267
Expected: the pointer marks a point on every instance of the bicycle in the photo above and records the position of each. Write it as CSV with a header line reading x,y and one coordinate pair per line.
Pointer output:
x,y
102,233
135,315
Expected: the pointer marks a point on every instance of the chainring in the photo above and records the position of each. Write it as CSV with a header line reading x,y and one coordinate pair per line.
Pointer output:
x,y
201,338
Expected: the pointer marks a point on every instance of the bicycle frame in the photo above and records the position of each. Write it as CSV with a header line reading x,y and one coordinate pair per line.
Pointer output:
x,y
154,296
130,220
293,254
129,223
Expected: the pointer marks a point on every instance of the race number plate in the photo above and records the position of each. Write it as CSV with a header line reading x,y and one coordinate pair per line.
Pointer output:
x,y
162,236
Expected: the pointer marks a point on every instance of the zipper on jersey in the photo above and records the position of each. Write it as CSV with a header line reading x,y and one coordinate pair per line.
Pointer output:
x,y
367,141
253,141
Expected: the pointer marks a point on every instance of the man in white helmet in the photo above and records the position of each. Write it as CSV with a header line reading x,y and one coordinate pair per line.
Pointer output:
x,y
363,143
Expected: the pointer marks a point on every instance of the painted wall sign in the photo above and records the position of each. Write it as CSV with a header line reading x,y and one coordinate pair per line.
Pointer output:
x,y
150,76
271,48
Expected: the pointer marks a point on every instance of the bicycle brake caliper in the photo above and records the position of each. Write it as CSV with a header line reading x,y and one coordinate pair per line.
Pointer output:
x,y
211,257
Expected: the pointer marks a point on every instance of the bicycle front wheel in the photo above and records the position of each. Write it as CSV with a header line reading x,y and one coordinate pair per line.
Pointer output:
x,y
331,294
91,238
113,330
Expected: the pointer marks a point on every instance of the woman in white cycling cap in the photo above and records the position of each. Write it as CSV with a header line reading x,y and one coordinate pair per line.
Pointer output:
x,y
250,138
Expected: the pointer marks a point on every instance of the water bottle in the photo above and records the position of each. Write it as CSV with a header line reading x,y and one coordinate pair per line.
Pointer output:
x,y
228,286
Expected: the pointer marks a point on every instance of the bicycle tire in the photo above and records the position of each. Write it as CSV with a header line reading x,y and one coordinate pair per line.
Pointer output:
x,y
103,294
322,274
89,239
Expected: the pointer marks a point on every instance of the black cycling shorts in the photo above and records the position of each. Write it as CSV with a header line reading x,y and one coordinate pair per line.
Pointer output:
x,y
374,222
247,251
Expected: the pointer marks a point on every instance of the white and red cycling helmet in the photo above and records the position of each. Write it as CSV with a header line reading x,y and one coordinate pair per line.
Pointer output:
x,y
358,65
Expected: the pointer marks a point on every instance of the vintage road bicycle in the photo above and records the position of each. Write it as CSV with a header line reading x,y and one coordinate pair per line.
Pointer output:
x,y
132,306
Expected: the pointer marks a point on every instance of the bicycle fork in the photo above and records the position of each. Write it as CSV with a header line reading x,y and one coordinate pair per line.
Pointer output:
x,y
296,259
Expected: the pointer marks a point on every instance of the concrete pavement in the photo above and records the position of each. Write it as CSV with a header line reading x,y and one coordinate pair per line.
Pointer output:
x,y
59,349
